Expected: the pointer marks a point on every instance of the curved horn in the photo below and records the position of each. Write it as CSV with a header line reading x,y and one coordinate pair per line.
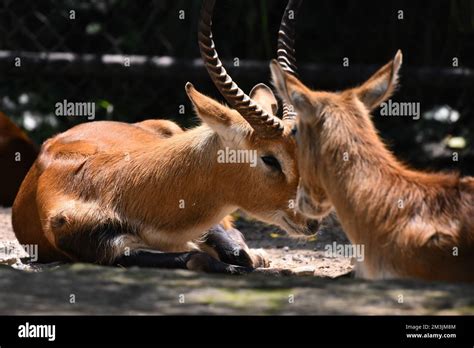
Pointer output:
x,y
286,50
265,125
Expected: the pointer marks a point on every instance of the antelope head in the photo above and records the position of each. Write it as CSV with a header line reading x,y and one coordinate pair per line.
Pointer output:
x,y
330,125
266,190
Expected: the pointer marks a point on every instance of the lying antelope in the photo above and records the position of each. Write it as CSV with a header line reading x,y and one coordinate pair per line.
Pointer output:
x,y
116,193
413,224
17,154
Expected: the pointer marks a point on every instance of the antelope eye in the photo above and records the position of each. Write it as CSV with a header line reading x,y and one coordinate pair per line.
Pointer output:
x,y
272,162
294,130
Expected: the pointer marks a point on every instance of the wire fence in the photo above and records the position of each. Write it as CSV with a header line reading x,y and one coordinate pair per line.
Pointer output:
x,y
53,50
32,33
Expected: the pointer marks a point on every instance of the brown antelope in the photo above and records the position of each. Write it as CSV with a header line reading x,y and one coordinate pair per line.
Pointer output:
x,y
17,154
412,224
116,193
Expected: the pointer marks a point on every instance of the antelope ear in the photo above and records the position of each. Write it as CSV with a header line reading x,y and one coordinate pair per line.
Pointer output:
x,y
381,85
263,96
291,90
224,121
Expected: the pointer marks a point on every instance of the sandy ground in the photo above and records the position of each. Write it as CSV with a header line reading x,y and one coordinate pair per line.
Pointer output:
x,y
48,289
304,254
299,252
10,249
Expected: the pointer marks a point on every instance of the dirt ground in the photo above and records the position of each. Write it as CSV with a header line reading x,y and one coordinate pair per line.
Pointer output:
x,y
305,253
90,289
10,250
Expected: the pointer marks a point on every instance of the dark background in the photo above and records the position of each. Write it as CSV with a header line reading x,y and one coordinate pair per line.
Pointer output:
x,y
369,33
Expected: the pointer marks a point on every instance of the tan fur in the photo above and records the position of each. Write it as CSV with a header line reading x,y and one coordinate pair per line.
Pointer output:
x,y
139,175
417,240
162,128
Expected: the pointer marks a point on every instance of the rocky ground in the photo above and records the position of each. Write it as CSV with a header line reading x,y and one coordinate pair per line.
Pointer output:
x,y
89,289
299,253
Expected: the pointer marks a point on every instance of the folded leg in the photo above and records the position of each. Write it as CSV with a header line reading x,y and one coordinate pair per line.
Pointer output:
x,y
229,246
193,260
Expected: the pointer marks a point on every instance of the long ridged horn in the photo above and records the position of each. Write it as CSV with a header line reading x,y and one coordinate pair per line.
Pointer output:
x,y
265,125
286,49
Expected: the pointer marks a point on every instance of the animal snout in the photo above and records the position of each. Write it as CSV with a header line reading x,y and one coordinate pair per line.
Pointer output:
x,y
312,226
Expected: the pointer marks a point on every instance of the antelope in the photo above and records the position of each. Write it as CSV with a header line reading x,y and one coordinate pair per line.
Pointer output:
x,y
413,224
17,154
153,195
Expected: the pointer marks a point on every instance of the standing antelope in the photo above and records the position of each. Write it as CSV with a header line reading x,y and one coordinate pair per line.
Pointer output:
x,y
17,154
101,189
413,224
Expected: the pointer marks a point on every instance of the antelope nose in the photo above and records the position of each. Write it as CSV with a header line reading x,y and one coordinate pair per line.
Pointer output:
x,y
312,226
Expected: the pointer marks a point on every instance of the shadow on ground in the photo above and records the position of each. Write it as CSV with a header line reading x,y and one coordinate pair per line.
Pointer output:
x,y
89,289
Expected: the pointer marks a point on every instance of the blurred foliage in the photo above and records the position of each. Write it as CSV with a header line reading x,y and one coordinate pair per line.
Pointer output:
x,y
430,34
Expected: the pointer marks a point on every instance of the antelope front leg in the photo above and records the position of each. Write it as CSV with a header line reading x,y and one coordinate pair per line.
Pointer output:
x,y
230,247
193,260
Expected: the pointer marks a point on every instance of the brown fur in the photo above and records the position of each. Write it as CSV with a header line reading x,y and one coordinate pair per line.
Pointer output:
x,y
124,181
12,141
436,213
